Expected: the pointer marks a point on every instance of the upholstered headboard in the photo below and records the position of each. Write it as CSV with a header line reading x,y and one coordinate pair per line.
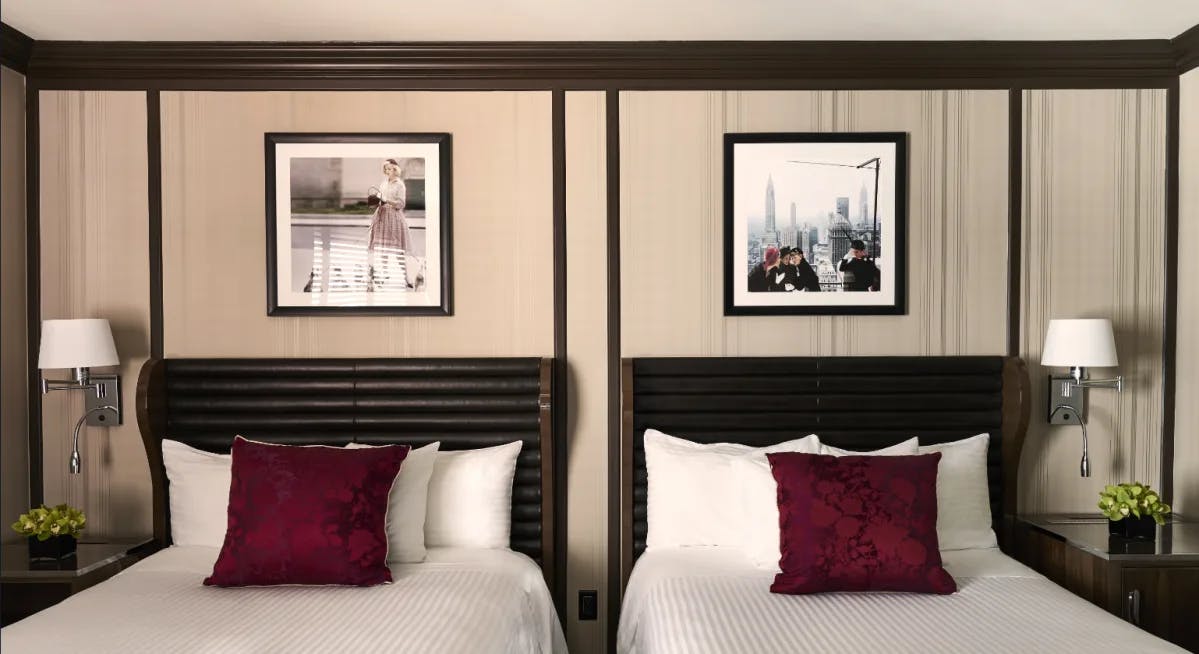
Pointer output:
x,y
464,403
857,403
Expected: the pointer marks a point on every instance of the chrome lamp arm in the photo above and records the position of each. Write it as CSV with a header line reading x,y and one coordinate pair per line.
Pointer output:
x,y
1078,375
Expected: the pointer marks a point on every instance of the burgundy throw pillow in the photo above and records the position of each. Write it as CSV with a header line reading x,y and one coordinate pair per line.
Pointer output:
x,y
307,515
858,523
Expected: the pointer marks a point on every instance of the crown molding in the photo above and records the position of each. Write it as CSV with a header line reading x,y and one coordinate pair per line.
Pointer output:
x,y
1186,49
15,48
626,65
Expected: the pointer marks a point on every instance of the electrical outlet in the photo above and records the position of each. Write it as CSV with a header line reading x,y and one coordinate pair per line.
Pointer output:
x,y
588,605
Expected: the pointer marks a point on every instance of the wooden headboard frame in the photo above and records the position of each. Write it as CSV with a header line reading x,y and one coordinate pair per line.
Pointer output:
x,y
464,403
706,399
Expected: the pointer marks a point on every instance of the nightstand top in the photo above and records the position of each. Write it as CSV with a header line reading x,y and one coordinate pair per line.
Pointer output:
x,y
89,557
1177,540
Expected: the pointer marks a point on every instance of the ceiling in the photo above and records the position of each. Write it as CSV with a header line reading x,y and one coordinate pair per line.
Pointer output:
x,y
597,20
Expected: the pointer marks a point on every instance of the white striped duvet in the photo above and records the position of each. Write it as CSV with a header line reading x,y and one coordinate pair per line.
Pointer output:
x,y
485,601
712,600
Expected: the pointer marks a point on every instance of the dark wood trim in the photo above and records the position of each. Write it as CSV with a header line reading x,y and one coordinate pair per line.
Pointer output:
x,y
1170,315
550,555
15,48
1186,49
1015,212
154,206
615,442
1017,408
151,421
561,374
626,470
604,65
33,289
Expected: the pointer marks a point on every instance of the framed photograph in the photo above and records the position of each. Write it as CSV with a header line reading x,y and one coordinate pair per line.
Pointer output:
x,y
358,224
815,223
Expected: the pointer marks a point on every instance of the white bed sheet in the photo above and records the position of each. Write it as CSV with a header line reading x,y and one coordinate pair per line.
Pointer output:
x,y
458,600
712,600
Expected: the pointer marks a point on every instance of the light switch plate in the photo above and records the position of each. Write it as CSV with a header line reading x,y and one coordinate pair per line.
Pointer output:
x,y
1061,392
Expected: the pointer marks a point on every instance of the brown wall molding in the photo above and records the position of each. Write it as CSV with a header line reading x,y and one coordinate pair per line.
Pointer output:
x,y
15,48
154,204
1015,180
561,415
1170,319
33,288
602,65
615,516
1186,49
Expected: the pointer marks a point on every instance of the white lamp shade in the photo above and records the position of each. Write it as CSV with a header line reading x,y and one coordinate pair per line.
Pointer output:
x,y
83,343
1084,342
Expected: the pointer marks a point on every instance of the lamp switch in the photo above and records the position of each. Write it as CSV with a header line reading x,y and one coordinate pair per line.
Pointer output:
x,y
108,398
588,605
1065,402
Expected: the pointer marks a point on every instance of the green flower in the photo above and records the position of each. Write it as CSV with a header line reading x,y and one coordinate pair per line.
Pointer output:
x,y
1136,499
44,523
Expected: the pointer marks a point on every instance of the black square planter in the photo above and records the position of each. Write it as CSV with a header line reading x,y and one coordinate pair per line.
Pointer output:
x,y
1133,528
51,549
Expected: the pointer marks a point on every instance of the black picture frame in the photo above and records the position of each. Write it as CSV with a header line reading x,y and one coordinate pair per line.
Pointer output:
x,y
899,224
444,251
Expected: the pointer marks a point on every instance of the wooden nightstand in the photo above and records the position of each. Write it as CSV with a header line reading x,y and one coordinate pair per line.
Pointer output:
x,y
26,588
1154,585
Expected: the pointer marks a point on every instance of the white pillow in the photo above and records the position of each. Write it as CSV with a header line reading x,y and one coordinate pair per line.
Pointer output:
x,y
198,487
761,544
692,494
963,501
906,448
408,503
758,496
470,498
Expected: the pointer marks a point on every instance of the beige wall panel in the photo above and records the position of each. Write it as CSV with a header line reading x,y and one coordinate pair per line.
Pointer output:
x,y
214,226
1094,216
587,359
95,264
672,222
1186,426
14,383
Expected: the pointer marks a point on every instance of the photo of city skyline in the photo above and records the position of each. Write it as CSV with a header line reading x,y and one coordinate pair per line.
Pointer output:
x,y
814,223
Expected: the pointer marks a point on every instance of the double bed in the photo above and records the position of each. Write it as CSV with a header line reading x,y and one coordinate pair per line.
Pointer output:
x,y
715,600
457,600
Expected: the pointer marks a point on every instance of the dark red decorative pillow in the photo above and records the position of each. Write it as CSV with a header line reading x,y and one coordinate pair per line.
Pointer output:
x,y
307,515
858,523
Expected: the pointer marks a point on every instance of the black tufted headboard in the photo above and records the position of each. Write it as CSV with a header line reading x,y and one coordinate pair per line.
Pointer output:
x,y
857,403
464,403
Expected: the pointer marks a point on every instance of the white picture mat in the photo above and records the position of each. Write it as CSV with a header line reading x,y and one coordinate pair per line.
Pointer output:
x,y
285,152
753,163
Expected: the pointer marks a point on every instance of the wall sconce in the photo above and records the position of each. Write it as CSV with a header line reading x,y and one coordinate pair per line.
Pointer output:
x,y
81,345
1078,344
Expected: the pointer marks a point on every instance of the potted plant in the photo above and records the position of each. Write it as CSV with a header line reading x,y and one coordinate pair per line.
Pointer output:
x,y
52,531
1133,510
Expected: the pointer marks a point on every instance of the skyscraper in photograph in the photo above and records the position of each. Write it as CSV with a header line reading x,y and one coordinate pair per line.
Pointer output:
x,y
863,199
843,207
771,228
792,215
